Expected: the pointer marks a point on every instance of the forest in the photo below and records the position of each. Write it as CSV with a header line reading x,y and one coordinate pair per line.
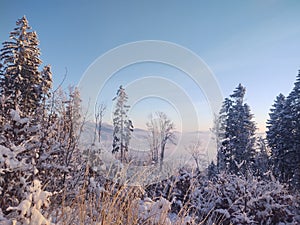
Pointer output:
x,y
47,176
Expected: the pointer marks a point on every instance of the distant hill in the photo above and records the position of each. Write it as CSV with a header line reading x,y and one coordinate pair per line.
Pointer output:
x,y
139,142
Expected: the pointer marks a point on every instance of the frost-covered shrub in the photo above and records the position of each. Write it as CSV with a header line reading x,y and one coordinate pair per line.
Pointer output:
x,y
228,199
43,146
17,160
30,209
22,198
58,145
153,212
232,199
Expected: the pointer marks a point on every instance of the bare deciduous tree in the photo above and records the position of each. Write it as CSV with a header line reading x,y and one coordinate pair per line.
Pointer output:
x,y
161,131
198,154
153,138
99,114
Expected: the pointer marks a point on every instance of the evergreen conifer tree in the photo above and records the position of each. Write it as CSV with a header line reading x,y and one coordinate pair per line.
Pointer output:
x,y
292,156
237,151
276,126
23,94
123,126
284,136
21,81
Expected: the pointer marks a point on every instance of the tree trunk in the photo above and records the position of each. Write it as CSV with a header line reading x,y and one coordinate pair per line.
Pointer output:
x,y
162,155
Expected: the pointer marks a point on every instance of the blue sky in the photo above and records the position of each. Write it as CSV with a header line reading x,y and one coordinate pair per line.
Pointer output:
x,y
255,43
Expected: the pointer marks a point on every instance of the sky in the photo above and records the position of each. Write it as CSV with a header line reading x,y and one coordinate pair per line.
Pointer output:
x,y
255,43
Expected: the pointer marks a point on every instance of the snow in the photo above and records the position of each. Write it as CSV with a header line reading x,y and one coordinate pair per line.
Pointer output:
x,y
9,161
30,208
224,212
154,212
37,155
15,115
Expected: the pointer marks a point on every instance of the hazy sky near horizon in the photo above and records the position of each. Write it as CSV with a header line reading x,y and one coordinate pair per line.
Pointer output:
x,y
255,43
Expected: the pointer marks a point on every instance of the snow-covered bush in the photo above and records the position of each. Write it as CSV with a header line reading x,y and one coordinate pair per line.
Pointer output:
x,y
232,199
153,212
228,199
177,189
44,146
30,210
17,161
60,164
22,197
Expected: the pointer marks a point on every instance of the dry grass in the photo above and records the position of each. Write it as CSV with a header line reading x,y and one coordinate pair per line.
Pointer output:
x,y
118,206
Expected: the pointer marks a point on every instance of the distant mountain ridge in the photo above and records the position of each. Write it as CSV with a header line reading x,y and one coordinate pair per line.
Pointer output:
x,y
139,141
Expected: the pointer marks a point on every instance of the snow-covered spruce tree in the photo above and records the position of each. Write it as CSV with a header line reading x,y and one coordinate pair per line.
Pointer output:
x,y
278,138
236,155
219,131
123,126
21,81
23,94
283,136
292,136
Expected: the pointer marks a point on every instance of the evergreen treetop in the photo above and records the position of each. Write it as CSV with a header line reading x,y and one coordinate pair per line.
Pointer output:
x,y
237,134
21,82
